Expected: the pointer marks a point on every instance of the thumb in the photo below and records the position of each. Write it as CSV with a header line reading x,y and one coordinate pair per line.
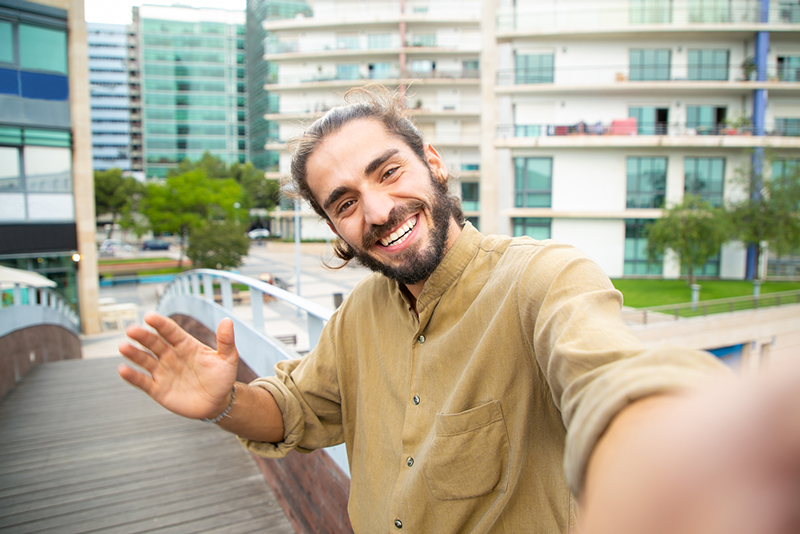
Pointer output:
x,y
226,345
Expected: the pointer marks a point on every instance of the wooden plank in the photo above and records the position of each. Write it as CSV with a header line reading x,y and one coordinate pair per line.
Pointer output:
x,y
80,451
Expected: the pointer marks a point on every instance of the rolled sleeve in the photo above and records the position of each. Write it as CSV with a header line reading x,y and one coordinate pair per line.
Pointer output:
x,y
292,421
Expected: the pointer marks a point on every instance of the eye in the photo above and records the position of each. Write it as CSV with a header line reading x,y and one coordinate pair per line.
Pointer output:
x,y
344,206
389,173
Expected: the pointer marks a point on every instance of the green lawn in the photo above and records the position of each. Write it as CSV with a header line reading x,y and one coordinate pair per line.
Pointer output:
x,y
640,293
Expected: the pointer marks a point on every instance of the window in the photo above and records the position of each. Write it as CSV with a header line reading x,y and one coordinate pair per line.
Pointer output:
x,y
710,11
470,195
790,127
705,177
47,169
786,168
527,130
789,68
534,68
347,71
637,262
789,11
380,71
379,40
650,11
647,182
711,268
650,64
708,64
42,49
705,120
6,42
347,42
535,227
533,182
9,169
424,39
650,120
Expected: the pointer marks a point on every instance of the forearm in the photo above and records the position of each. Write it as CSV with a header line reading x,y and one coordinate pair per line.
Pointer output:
x,y
254,415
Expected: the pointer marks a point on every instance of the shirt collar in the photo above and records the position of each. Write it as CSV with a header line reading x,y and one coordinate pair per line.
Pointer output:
x,y
451,267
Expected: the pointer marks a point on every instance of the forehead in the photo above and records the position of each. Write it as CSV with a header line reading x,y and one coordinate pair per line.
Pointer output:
x,y
344,155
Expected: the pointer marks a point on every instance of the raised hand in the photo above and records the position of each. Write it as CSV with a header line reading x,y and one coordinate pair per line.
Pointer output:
x,y
185,376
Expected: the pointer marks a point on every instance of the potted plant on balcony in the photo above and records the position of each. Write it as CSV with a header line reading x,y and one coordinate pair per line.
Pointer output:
x,y
748,68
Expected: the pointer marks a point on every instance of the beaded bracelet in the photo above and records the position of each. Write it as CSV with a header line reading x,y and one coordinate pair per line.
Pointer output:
x,y
218,418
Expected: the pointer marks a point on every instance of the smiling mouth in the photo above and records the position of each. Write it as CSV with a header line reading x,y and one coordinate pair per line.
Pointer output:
x,y
399,235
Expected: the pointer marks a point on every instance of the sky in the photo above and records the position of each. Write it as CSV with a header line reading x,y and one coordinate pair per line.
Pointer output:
x,y
119,11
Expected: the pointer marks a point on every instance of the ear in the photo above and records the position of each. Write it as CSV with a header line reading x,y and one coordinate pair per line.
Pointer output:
x,y
436,163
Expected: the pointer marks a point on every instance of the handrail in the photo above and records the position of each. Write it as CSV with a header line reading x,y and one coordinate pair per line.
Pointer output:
x,y
704,308
42,298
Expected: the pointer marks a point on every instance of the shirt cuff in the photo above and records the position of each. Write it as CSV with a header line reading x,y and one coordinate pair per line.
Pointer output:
x,y
658,371
293,423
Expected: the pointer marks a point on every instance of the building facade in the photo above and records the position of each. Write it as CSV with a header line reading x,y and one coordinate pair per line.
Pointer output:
x,y
46,189
109,96
429,50
607,113
187,85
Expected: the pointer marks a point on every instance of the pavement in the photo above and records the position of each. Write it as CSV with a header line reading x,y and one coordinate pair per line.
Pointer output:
x,y
317,283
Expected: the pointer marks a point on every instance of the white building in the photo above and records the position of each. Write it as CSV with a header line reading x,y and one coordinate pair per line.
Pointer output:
x,y
109,100
576,120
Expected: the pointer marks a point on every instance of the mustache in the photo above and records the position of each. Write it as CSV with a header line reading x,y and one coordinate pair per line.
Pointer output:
x,y
396,216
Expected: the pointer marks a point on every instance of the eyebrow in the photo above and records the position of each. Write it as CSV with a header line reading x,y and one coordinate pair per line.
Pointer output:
x,y
370,168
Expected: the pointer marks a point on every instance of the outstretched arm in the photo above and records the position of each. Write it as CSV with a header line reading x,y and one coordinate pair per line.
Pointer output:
x,y
722,461
195,381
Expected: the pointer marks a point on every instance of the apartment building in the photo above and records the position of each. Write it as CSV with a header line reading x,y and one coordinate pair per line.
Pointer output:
x,y
429,50
187,86
109,95
46,196
608,112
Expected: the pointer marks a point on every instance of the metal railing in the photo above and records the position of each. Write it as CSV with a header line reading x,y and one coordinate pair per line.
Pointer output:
x,y
627,127
709,307
208,296
53,306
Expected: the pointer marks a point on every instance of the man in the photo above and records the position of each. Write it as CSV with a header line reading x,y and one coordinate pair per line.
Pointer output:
x,y
478,382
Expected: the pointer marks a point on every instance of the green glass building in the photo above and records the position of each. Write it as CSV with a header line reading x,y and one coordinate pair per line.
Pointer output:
x,y
260,101
193,85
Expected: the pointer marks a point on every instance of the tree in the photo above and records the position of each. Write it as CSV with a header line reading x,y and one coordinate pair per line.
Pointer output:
x,y
213,166
771,210
218,245
115,195
257,190
189,201
693,230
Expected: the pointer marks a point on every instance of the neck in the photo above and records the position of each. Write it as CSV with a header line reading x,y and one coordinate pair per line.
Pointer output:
x,y
414,290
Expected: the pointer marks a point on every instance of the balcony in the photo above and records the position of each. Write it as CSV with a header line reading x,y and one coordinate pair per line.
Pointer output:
x,y
391,77
616,16
627,133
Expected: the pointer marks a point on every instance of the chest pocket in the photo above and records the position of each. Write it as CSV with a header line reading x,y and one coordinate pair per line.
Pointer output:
x,y
469,453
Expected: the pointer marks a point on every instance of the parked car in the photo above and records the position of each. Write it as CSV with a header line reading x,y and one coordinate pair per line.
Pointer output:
x,y
155,244
258,233
109,247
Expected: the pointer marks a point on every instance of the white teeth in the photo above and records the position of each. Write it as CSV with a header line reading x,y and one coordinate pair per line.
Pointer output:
x,y
400,232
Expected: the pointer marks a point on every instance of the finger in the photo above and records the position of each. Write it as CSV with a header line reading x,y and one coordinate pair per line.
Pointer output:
x,y
136,379
167,328
139,357
148,339
226,346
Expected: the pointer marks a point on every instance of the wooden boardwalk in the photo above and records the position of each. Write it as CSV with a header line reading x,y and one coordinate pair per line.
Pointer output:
x,y
82,451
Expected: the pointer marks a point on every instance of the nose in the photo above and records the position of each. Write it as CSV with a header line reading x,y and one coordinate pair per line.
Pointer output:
x,y
376,207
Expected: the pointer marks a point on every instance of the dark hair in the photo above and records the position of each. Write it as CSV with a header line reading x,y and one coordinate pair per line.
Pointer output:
x,y
368,102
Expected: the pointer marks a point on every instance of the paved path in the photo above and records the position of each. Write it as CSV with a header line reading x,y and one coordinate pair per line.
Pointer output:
x,y
81,451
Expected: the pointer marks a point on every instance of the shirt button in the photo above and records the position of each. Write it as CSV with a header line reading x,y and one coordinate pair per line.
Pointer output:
x,y
410,461
398,523
421,338
416,399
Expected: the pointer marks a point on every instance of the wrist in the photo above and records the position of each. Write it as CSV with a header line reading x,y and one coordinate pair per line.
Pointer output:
x,y
225,412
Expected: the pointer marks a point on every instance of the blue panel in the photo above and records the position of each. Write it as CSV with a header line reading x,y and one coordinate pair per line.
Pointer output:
x,y
723,352
44,86
9,83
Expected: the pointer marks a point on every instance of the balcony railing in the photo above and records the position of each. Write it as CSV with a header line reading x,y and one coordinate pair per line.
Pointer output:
x,y
630,127
622,73
392,74
590,15
20,299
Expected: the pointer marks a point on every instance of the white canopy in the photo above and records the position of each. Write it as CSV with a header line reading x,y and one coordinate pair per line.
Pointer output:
x,y
9,277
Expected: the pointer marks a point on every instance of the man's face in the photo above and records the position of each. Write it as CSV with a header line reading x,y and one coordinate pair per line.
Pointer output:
x,y
386,204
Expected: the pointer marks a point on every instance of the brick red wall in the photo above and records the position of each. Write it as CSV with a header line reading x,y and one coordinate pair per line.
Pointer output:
x,y
22,349
311,488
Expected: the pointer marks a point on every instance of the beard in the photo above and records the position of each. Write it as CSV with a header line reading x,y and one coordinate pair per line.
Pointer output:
x,y
412,265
